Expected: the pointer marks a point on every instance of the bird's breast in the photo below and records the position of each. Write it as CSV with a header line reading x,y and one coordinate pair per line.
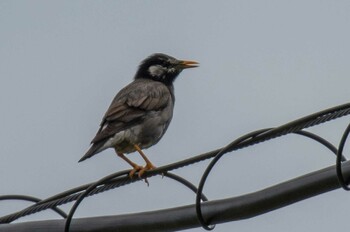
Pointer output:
x,y
147,132
154,127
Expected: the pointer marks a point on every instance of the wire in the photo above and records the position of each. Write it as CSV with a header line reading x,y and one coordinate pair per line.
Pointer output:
x,y
186,183
31,199
184,217
118,174
85,193
321,140
340,175
206,224
266,134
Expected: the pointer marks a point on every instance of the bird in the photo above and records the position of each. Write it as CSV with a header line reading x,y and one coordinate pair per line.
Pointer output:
x,y
141,112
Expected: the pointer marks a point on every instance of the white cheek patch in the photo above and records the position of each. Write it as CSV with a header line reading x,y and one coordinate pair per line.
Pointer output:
x,y
171,70
156,70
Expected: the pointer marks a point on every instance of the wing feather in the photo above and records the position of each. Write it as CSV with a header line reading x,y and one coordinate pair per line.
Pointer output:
x,y
130,106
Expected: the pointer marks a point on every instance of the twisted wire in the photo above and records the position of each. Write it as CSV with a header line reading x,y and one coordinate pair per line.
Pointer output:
x,y
32,199
107,178
267,134
263,135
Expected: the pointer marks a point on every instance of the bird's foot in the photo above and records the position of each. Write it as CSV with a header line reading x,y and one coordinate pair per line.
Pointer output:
x,y
149,166
141,170
136,168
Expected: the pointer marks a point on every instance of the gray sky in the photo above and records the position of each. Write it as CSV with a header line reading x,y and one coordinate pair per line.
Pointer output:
x,y
263,63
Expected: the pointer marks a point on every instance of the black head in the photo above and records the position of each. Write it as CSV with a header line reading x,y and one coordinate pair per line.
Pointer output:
x,y
163,68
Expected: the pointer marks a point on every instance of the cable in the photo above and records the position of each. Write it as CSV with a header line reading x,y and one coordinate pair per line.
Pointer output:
x,y
294,126
119,174
31,199
310,135
340,175
186,183
206,224
85,193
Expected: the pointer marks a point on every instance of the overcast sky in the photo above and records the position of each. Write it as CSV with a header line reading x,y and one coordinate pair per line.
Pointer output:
x,y
263,63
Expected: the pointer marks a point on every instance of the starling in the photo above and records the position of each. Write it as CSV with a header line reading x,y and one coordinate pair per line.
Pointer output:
x,y
141,112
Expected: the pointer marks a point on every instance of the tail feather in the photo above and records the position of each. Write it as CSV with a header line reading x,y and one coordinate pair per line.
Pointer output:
x,y
93,150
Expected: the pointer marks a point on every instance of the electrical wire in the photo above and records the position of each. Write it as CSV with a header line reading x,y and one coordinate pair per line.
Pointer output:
x,y
31,199
244,141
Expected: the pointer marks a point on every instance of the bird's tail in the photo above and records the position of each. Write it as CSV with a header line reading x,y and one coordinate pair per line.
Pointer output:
x,y
93,150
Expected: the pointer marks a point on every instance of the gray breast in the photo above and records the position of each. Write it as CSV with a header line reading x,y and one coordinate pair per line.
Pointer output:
x,y
154,126
148,131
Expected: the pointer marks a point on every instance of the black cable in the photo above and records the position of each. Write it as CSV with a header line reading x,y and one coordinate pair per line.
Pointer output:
x,y
297,125
31,199
64,197
184,217
59,199
186,183
321,140
310,135
206,224
119,174
73,194
85,193
340,175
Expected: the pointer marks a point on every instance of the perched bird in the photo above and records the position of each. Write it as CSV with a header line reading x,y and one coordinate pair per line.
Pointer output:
x,y
141,112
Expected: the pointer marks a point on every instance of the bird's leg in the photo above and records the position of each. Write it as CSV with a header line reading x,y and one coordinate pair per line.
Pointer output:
x,y
136,167
149,165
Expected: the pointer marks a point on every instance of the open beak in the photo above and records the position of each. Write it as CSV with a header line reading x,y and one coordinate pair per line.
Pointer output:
x,y
188,64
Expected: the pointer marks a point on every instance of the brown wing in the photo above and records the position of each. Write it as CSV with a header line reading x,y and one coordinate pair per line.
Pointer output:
x,y
130,105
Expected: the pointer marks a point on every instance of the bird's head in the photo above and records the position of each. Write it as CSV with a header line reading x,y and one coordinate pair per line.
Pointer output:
x,y
163,68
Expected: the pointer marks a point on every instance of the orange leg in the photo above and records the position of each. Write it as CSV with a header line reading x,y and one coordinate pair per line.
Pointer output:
x,y
136,167
149,165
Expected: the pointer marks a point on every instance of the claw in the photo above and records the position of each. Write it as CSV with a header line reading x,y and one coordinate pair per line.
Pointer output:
x,y
136,168
148,167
